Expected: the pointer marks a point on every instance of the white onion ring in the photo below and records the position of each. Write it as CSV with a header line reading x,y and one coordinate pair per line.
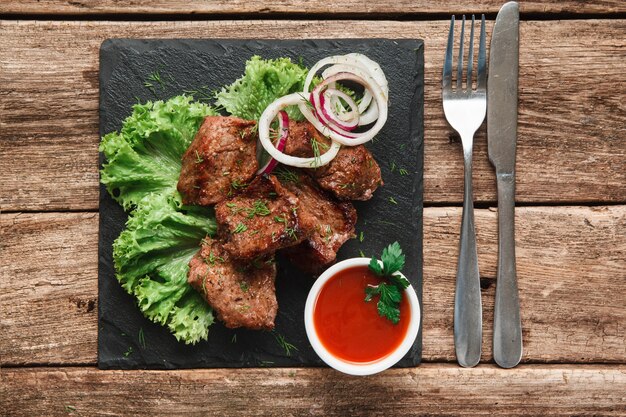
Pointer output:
x,y
369,113
359,75
283,128
350,120
327,115
264,135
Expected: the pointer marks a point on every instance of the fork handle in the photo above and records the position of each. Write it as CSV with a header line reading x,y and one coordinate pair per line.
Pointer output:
x,y
468,326
507,328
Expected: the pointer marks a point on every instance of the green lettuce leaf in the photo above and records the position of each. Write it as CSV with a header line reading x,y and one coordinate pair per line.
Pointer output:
x,y
152,254
151,261
145,156
264,81
159,232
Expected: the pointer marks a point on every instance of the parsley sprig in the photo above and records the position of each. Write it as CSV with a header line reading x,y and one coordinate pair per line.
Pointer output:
x,y
390,292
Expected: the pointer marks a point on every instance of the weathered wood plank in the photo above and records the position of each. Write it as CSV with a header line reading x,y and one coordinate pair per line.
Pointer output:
x,y
345,7
426,390
571,273
49,287
571,145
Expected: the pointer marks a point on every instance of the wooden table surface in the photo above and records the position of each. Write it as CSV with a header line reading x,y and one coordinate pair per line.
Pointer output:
x,y
570,217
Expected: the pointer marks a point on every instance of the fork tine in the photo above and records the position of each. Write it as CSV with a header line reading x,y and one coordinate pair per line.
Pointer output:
x,y
459,73
482,58
470,57
447,63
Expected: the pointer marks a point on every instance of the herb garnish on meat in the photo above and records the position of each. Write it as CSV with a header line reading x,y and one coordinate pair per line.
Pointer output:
x,y
390,291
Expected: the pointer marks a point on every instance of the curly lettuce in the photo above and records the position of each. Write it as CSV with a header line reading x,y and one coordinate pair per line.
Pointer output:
x,y
152,261
264,81
145,156
152,254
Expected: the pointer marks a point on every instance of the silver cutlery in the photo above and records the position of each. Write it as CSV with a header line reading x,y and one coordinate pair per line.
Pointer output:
x,y
465,108
502,135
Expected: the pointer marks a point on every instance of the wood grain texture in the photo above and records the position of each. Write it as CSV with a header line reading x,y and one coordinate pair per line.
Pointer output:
x,y
308,7
546,390
49,287
571,270
571,145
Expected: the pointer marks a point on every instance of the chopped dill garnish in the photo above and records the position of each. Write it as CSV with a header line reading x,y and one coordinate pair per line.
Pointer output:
x,y
212,258
259,208
150,87
306,101
361,254
142,338
265,363
328,233
70,409
393,166
291,232
392,200
153,80
234,338
287,347
280,219
128,352
317,156
202,94
240,228
198,157
244,286
236,185
361,237
403,171
286,175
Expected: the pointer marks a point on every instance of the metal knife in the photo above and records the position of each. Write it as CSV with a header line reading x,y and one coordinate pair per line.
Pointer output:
x,y
502,137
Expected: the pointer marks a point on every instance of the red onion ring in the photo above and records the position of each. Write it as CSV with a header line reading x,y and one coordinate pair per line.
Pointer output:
x,y
350,123
283,128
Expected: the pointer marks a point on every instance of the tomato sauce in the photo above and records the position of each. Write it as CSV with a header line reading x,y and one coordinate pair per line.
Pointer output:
x,y
350,328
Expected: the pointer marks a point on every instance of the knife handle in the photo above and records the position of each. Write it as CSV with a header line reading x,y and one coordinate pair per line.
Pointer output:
x,y
468,324
507,327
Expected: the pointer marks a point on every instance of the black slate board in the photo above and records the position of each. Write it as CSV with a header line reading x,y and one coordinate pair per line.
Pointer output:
x,y
395,212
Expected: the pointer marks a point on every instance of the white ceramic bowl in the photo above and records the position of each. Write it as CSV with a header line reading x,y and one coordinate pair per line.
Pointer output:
x,y
358,368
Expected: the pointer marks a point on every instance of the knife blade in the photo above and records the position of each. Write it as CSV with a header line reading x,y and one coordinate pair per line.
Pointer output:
x,y
502,137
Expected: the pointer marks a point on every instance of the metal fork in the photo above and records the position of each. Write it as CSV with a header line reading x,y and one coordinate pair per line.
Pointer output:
x,y
465,109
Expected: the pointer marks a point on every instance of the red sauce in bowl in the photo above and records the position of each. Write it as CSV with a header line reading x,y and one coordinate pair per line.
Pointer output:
x,y
350,328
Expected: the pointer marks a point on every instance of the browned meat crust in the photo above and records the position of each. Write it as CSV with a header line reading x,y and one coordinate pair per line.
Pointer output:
x,y
221,158
334,224
352,175
242,295
263,218
299,140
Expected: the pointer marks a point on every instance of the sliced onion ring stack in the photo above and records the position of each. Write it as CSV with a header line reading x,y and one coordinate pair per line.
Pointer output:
x,y
325,108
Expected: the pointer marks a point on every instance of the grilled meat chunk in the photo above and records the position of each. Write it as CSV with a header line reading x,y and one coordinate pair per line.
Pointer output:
x,y
242,295
300,138
221,158
334,223
352,175
263,218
